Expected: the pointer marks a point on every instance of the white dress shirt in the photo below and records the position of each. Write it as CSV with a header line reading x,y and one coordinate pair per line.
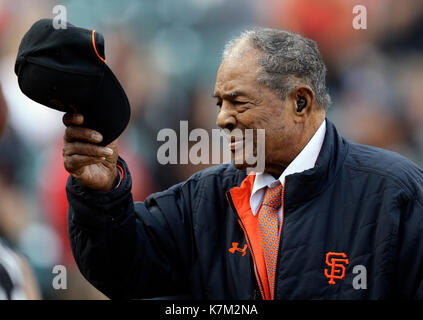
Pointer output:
x,y
305,160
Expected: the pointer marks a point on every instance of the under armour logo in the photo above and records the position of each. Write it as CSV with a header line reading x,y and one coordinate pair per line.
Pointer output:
x,y
337,269
235,248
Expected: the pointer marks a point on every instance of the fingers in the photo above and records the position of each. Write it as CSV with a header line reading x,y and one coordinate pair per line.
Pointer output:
x,y
82,134
86,149
78,154
81,151
74,133
73,119
76,162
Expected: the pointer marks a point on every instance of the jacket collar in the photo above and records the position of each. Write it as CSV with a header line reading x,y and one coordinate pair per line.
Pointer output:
x,y
302,187
305,160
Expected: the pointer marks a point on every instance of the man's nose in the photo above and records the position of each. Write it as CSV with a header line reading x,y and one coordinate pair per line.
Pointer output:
x,y
226,117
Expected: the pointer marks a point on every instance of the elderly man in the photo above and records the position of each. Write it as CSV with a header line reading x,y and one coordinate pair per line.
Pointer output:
x,y
327,219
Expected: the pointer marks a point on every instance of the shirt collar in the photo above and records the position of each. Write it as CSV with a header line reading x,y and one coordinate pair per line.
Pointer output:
x,y
305,160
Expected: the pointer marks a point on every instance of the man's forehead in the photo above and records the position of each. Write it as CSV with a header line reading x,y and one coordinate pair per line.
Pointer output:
x,y
237,72
232,92
238,86
240,49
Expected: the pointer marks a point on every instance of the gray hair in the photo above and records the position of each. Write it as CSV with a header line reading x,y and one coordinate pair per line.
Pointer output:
x,y
288,60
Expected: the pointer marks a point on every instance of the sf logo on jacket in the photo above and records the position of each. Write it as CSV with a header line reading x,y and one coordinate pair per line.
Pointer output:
x,y
336,264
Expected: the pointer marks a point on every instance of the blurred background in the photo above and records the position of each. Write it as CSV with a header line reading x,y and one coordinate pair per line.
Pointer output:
x,y
165,54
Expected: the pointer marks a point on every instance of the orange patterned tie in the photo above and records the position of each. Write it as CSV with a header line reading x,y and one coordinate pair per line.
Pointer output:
x,y
269,227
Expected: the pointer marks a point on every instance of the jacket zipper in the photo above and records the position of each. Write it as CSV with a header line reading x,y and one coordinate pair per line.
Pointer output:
x,y
260,285
280,239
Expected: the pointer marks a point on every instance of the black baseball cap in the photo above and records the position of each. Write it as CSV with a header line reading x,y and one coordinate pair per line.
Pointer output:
x,y
65,69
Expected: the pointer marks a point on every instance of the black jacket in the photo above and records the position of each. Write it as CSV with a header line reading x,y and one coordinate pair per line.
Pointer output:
x,y
359,204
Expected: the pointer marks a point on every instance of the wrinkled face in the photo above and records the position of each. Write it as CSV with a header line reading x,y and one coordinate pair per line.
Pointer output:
x,y
246,104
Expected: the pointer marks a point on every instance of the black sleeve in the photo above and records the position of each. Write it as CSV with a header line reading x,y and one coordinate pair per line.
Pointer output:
x,y
129,250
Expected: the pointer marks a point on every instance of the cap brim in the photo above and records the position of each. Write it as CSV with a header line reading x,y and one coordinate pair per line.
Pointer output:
x,y
106,108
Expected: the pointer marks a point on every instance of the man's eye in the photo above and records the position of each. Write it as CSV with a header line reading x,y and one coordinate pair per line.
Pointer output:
x,y
238,103
219,104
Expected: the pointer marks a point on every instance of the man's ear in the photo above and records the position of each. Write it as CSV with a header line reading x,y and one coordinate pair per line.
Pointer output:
x,y
303,96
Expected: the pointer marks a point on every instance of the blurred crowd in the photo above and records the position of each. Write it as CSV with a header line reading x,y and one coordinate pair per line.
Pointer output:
x,y
165,54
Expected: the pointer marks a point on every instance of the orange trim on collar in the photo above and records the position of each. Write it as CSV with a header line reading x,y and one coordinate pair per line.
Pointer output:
x,y
95,48
122,173
249,223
